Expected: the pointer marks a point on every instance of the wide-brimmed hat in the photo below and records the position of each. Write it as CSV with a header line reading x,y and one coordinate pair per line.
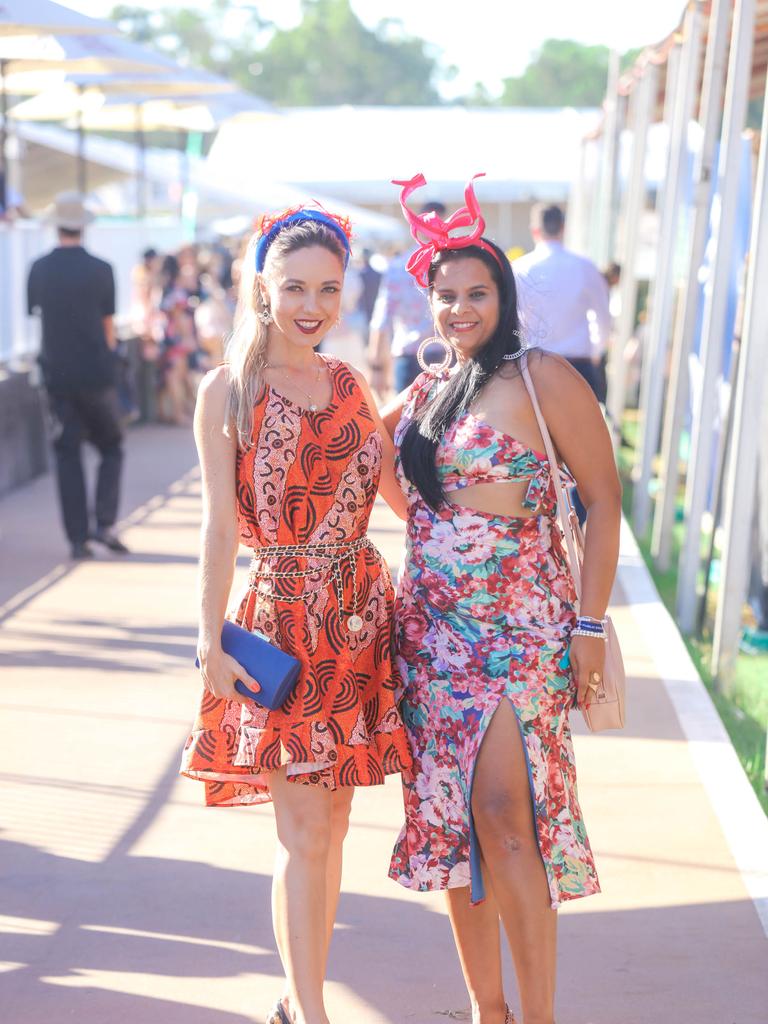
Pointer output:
x,y
69,211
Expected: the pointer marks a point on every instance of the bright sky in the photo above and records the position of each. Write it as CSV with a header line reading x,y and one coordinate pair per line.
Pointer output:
x,y
487,40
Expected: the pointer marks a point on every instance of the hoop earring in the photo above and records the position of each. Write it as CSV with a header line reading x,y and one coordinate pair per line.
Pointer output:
x,y
435,368
265,316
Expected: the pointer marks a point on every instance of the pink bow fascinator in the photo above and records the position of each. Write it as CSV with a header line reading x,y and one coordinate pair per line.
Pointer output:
x,y
434,234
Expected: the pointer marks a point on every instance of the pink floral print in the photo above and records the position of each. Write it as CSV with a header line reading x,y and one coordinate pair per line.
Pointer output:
x,y
484,609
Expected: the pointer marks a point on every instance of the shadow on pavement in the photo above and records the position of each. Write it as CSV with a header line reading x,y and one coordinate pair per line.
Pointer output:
x,y
120,648
33,548
181,919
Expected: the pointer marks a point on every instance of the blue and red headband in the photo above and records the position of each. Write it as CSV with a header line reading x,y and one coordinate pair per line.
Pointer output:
x,y
269,227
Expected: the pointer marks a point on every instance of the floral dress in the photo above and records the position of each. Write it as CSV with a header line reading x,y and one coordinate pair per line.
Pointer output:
x,y
484,609
310,478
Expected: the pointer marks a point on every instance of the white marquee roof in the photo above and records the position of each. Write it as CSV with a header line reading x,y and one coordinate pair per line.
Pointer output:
x,y
525,152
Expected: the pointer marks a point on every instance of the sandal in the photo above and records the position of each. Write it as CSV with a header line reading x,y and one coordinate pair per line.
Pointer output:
x,y
278,1014
509,1019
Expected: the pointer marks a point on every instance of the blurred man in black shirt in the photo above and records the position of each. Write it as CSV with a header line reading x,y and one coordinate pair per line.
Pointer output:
x,y
75,294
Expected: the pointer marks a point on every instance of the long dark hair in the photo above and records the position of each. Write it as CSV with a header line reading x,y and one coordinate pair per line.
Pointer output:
x,y
424,433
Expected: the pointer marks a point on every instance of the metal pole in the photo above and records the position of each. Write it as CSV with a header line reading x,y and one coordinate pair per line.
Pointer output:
x,y
183,169
646,357
723,455
611,127
3,139
749,412
663,286
575,226
592,158
82,174
141,169
729,179
641,112
677,398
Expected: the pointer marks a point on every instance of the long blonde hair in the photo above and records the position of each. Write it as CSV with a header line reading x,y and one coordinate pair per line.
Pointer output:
x,y
246,350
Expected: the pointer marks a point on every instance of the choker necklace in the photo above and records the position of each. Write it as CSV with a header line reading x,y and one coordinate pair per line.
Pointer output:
x,y
287,379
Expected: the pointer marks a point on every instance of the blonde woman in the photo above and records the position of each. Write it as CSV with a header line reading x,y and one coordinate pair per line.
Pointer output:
x,y
292,452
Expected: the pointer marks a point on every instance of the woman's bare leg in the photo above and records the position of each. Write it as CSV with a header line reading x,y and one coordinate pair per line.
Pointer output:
x,y
341,805
304,815
501,804
476,933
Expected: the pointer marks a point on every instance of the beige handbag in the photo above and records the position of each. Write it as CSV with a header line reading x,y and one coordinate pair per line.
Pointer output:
x,y
606,711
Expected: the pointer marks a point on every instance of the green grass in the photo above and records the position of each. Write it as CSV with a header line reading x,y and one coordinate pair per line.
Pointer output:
x,y
744,710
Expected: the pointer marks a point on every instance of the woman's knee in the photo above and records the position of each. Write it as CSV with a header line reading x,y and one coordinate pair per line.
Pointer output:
x,y
502,822
308,834
340,812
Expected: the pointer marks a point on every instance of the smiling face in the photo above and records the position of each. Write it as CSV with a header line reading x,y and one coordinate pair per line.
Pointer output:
x,y
465,304
302,290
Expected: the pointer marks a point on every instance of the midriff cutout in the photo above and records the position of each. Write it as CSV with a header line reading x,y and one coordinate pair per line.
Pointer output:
x,y
495,499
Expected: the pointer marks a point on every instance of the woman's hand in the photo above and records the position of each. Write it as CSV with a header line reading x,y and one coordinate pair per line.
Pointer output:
x,y
587,656
220,672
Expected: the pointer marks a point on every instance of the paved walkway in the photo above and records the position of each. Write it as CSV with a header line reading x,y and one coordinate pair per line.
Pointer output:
x,y
124,900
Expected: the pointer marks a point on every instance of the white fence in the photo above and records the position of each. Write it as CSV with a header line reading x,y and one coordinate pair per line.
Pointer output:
x,y
21,243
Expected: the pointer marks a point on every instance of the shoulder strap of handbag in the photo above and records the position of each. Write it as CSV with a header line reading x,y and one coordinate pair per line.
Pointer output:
x,y
569,523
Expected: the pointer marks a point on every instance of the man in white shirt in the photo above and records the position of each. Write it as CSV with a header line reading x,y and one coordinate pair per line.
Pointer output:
x,y
562,297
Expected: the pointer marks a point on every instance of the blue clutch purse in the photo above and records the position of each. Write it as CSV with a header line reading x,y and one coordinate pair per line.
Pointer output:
x,y
275,671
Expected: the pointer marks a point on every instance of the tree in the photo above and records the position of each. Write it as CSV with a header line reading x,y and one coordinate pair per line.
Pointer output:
x,y
330,58
479,96
222,38
562,73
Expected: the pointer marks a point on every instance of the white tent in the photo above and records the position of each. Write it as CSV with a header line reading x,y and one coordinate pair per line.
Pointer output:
x,y
353,152
49,153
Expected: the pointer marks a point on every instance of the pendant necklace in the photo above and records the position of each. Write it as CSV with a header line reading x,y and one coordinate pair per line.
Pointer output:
x,y
287,379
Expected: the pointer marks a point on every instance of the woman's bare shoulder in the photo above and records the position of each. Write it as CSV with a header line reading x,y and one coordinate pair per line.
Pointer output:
x,y
213,395
218,378
556,378
359,376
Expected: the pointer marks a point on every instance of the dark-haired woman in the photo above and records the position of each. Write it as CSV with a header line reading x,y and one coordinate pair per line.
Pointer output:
x,y
292,452
490,647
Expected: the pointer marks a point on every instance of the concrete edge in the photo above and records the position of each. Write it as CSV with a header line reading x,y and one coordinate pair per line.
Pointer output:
x,y
733,800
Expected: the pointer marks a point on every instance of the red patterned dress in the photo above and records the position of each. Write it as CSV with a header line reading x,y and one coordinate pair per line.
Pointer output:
x,y
310,478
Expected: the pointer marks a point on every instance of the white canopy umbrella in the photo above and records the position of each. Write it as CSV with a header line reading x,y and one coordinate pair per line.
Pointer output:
x,y
29,65
80,97
32,65
41,17
29,19
94,110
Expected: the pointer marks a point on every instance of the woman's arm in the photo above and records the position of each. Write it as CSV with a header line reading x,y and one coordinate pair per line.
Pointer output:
x,y
581,437
219,538
389,488
392,412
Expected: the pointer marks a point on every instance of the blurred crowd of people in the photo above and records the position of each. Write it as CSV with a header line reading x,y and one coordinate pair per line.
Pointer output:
x,y
183,309
183,305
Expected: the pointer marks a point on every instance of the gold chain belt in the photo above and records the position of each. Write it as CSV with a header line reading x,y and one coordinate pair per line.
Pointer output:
x,y
333,554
